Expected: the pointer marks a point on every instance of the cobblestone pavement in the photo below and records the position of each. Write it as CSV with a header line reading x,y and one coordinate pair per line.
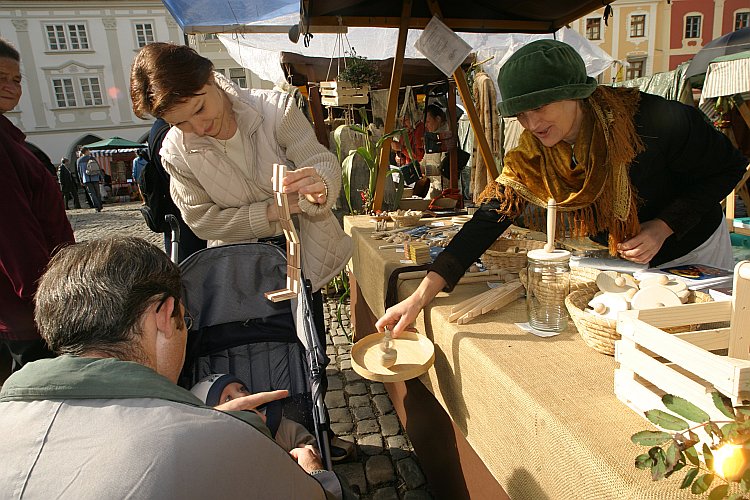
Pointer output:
x,y
361,412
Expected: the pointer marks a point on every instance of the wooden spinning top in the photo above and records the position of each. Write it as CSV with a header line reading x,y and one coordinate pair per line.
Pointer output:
x,y
388,354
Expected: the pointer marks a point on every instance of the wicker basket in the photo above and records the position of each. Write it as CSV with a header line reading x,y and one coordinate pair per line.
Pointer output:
x,y
498,255
406,220
600,333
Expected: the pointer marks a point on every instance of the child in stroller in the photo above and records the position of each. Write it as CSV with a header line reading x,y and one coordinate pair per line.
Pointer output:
x,y
219,388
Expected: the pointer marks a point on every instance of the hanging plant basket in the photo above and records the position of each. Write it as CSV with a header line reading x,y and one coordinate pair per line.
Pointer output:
x,y
341,93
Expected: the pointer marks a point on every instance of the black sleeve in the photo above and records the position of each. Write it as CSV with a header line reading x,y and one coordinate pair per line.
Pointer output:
x,y
700,160
470,243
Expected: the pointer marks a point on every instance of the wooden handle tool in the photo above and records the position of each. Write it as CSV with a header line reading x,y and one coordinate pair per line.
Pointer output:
x,y
551,223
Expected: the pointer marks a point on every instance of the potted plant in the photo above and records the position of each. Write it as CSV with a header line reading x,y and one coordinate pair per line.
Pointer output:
x,y
352,84
369,151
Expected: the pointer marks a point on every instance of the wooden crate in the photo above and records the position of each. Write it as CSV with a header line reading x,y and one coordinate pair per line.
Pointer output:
x,y
691,365
340,93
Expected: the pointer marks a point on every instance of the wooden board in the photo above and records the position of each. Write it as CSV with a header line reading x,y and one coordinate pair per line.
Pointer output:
x,y
415,354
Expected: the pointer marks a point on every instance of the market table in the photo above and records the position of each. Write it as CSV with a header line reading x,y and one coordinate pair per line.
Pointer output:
x,y
502,409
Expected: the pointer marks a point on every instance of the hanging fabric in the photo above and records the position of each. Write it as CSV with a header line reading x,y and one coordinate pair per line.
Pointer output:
x,y
486,104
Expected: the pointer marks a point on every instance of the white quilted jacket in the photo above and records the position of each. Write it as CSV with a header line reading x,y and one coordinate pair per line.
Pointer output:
x,y
223,202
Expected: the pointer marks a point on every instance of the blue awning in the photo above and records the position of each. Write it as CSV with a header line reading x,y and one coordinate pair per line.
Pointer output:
x,y
225,16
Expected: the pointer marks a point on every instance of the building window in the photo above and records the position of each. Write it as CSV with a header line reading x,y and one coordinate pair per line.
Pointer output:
x,y
144,34
70,91
637,26
593,29
91,91
210,36
67,37
741,20
64,93
635,69
693,27
237,75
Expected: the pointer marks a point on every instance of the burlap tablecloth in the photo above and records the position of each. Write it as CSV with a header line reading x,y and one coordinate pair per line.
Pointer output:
x,y
540,412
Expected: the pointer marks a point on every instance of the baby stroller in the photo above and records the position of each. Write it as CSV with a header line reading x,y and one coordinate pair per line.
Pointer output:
x,y
236,330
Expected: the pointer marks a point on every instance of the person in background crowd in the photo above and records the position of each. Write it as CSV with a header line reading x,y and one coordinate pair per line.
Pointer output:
x,y
68,185
106,419
138,163
90,181
33,223
642,174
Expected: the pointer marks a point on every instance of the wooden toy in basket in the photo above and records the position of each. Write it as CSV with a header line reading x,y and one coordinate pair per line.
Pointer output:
x,y
600,332
692,364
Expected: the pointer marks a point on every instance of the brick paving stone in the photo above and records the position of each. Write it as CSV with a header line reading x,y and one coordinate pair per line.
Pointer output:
x,y
351,376
340,340
341,428
355,401
345,364
379,469
367,426
410,473
335,399
398,447
340,415
389,425
417,495
371,444
354,474
355,389
388,493
332,371
335,383
330,351
343,349
363,413
343,357
383,403
377,388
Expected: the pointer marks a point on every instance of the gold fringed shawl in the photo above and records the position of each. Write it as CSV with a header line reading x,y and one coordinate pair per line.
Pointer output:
x,y
593,196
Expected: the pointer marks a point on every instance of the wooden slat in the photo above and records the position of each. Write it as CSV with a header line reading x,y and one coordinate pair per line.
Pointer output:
x,y
684,314
739,337
710,340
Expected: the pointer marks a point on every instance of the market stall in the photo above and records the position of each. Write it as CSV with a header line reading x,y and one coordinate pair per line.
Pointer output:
x,y
115,157
502,409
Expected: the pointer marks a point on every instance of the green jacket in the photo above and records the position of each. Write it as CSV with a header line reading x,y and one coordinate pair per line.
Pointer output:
x,y
104,428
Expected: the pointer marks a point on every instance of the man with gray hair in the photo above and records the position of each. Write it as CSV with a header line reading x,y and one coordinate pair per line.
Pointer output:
x,y
106,420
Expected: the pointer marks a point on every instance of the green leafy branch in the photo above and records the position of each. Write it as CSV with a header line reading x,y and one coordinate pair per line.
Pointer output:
x,y
370,152
671,452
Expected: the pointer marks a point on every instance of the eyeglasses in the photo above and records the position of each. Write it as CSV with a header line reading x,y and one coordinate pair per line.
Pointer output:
x,y
188,320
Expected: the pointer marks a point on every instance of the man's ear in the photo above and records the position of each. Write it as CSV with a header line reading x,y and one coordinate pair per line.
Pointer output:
x,y
164,321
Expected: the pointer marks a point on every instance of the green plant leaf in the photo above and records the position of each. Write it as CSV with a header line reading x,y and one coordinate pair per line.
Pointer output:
x,y
719,492
708,456
367,156
692,455
666,420
644,461
659,467
678,466
672,456
650,438
730,432
735,496
346,175
723,404
745,482
702,484
688,479
684,408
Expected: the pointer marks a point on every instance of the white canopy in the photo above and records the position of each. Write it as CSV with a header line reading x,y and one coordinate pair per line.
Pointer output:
x,y
260,52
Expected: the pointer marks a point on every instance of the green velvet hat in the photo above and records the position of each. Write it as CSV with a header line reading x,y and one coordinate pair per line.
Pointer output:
x,y
542,72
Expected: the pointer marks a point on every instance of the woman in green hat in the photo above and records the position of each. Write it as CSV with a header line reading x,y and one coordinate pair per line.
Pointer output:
x,y
639,173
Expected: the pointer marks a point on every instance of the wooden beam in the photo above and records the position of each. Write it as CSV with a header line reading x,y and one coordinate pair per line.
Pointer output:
x,y
463,90
466,25
319,124
453,152
390,114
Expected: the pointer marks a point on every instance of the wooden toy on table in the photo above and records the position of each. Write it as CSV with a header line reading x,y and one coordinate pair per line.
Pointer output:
x,y
293,262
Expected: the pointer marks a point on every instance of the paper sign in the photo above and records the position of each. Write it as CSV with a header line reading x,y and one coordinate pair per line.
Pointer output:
x,y
442,47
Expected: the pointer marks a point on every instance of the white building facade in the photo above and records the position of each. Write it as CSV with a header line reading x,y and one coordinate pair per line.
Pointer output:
x,y
75,61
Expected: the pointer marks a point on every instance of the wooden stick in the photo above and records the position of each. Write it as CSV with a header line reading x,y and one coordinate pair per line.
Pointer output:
x,y
463,307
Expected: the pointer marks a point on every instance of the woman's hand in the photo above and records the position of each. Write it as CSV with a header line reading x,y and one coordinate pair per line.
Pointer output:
x,y
306,181
403,314
642,247
252,401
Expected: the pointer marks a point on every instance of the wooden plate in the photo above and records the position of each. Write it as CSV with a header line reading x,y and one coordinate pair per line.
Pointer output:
x,y
415,354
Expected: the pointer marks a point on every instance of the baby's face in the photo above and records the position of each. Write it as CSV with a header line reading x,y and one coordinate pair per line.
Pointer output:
x,y
233,391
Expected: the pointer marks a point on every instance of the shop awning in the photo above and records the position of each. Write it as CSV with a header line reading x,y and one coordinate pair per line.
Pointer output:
x,y
727,75
114,143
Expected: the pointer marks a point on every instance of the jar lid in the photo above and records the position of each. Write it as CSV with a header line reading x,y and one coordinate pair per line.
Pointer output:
x,y
556,255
